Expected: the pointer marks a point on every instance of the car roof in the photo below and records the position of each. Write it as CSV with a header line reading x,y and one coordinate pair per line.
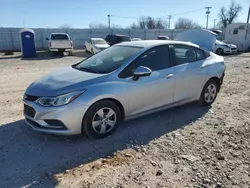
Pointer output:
x,y
153,43
96,38
59,33
118,35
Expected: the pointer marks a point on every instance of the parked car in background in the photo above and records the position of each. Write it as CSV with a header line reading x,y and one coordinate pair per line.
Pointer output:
x,y
162,37
60,42
224,48
115,39
136,39
124,81
95,45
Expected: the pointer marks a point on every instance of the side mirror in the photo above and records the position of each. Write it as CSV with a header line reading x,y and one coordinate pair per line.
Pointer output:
x,y
141,71
47,38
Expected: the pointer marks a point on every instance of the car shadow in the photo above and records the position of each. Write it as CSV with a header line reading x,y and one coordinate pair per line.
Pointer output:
x,y
29,158
46,55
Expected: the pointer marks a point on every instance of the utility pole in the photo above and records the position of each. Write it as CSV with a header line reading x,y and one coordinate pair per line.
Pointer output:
x,y
247,27
248,15
214,23
109,21
207,12
169,21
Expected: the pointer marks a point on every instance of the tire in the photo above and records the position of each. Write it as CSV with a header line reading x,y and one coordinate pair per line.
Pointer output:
x,y
219,51
71,53
209,93
103,126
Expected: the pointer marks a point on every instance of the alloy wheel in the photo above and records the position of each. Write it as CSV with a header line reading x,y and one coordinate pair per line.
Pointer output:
x,y
104,120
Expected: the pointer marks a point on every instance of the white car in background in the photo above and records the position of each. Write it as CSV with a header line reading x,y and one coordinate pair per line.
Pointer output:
x,y
224,48
95,45
136,39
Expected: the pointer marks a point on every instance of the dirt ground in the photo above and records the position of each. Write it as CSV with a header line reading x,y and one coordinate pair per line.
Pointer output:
x,y
188,146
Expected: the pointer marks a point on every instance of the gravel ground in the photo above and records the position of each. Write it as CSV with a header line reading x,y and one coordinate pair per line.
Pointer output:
x,y
188,146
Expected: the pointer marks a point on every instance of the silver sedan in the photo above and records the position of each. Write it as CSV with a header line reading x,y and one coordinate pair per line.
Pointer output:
x,y
125,81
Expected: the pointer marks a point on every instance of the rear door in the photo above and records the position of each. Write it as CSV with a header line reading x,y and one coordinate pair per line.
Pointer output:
x,y
189,73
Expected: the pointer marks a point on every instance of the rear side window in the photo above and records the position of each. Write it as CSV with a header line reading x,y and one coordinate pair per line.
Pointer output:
x,y
200,54
123,38
156,59
184,54
59,37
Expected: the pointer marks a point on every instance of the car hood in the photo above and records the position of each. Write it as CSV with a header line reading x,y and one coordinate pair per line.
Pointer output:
x,y
102,45
232,45
61,81
201,37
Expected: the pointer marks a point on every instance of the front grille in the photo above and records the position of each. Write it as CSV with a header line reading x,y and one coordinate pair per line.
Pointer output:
x,y
28,110
36,125
30,97
233,48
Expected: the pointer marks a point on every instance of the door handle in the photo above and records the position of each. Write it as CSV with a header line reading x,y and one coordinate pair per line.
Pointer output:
x,y
168,76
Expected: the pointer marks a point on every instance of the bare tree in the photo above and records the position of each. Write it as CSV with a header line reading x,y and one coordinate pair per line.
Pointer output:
x,y
97,26
116,26
65,26
149,23
103,26
184,23
228,16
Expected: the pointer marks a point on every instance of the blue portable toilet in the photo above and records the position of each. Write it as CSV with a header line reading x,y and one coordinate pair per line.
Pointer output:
x,y
28,46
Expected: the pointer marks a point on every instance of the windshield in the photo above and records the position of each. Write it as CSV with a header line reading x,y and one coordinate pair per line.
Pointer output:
x,y
108,60
220,42
59,37
136,39
124,38
98,41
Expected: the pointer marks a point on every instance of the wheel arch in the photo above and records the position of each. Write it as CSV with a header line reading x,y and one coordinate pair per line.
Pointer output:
x,y
218,81
117,102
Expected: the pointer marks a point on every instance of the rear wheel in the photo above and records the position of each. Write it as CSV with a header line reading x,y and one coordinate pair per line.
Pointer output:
x,y
219,51
101,119
209,93
92,51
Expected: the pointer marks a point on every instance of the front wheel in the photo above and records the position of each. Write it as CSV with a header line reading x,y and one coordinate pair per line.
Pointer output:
x,y
92,51
101,119
219,51
209,93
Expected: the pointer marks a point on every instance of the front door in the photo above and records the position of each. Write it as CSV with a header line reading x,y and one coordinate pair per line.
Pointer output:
x,y
154,91
190,76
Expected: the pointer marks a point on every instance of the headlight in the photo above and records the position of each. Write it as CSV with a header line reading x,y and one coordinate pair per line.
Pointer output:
x,y
59,100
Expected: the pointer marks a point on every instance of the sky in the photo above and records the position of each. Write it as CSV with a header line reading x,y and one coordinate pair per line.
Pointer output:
x,y
80,13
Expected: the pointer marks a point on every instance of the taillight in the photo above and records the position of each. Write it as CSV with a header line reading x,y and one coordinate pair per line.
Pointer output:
x,y
71,43
49,44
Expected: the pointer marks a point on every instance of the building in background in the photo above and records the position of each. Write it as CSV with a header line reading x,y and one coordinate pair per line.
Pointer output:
x,y
238,34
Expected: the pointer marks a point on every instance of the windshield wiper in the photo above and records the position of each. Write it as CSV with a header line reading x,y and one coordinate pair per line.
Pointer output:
x,y
86,69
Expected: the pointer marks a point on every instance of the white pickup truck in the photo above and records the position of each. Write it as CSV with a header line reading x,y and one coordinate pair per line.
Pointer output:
x,y
60,43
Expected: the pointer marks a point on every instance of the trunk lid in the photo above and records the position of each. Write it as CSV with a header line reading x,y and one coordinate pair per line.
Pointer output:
x,y
201,37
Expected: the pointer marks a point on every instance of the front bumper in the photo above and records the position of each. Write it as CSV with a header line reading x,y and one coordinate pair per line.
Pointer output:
x,y
67,118
61,49
230,51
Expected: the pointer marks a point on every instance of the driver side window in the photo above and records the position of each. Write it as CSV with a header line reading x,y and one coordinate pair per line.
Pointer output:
x,y
156,58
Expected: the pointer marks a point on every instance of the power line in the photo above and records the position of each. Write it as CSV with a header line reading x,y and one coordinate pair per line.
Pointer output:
x,y
128,17
187,12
